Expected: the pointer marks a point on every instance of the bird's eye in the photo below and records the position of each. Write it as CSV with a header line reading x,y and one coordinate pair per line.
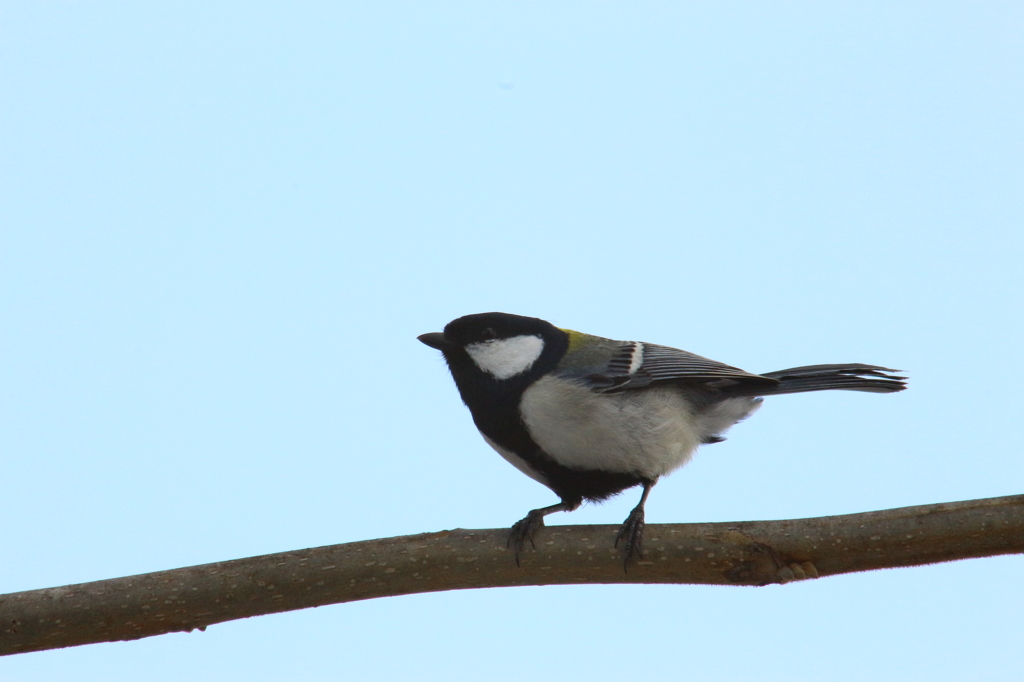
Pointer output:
x,y
488,333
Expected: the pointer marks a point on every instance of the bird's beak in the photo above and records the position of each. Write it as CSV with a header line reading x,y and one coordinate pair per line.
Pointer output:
x,y
436,340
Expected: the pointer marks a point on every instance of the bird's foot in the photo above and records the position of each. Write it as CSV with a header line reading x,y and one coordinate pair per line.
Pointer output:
x,y
524,530
632,534
797,571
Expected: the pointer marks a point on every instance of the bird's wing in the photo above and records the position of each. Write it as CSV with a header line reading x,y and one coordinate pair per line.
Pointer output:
x,y
636,365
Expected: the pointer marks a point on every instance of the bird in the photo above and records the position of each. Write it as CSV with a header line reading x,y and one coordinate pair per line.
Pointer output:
x,y
590,417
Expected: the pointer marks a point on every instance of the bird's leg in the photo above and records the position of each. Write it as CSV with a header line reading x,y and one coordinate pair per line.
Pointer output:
x,y
632,531
524,529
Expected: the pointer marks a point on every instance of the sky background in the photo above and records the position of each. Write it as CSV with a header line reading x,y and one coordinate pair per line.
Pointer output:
x,y
223,225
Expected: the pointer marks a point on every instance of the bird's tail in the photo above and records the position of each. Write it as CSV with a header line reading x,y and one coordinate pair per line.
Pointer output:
x,y
848,377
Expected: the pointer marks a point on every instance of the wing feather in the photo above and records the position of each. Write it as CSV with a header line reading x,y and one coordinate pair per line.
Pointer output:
x,y
635,365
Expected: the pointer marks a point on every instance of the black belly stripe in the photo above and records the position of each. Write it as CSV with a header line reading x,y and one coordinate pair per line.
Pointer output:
x,y
495,406
504,426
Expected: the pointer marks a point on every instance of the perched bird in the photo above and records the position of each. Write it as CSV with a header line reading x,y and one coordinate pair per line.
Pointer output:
x,y
590,417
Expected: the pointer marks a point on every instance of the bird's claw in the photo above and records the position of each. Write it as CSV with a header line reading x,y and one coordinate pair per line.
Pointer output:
x,y
524,530
632,534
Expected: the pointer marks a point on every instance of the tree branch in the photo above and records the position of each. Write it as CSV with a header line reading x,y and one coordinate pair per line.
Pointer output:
x,y
745,553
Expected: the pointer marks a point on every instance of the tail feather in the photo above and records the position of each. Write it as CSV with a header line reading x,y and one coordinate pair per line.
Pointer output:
x,y
846,377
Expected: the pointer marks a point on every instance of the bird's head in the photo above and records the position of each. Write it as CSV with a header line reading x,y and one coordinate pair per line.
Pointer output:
x,y
499,346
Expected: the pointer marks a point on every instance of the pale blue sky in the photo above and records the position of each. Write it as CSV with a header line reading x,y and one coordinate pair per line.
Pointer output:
x,y
222,226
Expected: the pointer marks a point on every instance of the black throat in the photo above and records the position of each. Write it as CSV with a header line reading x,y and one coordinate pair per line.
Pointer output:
x,y
494,403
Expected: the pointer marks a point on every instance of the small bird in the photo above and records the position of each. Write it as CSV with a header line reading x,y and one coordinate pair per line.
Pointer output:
x,y
590,417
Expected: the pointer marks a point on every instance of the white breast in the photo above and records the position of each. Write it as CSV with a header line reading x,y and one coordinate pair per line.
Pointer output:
x,y
649,432
504,358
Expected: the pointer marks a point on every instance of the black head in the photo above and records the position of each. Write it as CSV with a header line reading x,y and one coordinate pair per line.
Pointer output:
x,y
490,326
499,347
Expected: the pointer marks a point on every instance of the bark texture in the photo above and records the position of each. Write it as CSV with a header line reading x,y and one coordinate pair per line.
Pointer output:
x,y
742,553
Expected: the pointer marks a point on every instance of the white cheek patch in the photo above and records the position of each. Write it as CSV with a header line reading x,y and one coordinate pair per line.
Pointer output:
x,y
504,358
